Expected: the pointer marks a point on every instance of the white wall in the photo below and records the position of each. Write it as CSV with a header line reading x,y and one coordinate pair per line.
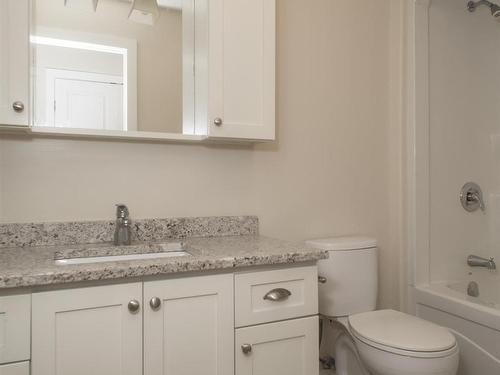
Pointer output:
x,y
465,123
335,169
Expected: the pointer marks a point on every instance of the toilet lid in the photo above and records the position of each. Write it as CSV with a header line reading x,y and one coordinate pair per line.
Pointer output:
x,y
393,329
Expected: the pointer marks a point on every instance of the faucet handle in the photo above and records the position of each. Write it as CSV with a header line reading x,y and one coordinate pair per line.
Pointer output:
x,y
122,211
491,264
471,197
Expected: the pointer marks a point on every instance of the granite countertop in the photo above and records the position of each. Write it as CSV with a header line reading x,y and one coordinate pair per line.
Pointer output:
x,y
35,266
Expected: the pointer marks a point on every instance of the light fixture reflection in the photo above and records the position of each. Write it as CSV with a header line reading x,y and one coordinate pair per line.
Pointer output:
x,y
144,11
87,5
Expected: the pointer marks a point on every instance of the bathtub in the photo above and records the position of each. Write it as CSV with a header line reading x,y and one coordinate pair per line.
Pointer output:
x,y
475,321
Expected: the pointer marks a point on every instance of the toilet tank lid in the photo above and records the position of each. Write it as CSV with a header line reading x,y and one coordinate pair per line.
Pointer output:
x,y
343,243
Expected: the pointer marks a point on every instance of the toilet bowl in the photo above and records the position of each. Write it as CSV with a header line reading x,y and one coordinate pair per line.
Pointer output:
x,y
392,343
365,341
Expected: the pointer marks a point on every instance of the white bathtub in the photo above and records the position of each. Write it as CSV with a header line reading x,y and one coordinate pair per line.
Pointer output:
x,y
475,321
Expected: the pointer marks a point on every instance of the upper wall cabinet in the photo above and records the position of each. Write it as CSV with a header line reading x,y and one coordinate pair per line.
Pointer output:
x,y
14,62
150,69
242,69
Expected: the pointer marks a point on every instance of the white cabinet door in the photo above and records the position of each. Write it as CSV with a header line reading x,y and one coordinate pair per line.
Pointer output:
x,y
242,55
192,331
14,61
87,331
20,368
284,348
15,318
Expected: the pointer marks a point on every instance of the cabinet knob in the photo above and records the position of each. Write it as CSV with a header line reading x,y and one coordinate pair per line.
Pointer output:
x,y
246,348
322,280
18,106
218,121
277,295
134,306
155,303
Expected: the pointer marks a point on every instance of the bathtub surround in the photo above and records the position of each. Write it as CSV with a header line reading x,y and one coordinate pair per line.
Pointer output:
x,y
146,230
335,169
463,140
455,143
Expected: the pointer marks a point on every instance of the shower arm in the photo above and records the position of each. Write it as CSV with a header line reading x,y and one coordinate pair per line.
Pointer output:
x,y
473,5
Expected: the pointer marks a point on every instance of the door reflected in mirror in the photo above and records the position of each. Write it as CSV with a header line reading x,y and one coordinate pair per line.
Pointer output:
x,y
113,65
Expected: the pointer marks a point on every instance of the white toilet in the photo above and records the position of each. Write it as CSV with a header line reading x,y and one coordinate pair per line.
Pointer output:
x,y
364,341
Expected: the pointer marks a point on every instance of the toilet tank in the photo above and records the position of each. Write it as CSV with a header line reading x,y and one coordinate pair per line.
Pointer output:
x,y
351,274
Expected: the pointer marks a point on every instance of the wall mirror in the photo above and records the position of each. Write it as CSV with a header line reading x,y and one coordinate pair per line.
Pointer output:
x,y
113,65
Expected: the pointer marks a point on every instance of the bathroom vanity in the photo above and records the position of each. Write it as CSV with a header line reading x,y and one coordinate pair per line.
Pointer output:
x,y
238,303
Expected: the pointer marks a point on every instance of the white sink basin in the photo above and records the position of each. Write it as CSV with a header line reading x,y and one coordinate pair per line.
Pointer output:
x,y
122,253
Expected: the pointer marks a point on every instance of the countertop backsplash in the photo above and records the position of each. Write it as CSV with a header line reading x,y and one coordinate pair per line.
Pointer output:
x,y
95,232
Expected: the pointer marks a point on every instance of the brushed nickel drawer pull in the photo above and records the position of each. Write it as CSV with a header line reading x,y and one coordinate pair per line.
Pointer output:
x,y
277,295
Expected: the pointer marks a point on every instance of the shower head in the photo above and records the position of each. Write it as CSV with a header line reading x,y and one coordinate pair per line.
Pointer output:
x,y
494,8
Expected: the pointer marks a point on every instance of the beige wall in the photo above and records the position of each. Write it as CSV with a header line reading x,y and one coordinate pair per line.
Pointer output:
x,y
159,54
335,169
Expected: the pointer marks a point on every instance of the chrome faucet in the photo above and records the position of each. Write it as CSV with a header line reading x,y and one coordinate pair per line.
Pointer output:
x,y
123,228
475,261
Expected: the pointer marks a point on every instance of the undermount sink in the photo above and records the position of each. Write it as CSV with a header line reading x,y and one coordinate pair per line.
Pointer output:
x,y
120,253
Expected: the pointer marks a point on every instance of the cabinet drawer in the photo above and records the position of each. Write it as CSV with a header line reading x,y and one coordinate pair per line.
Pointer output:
x,y
15,328
21,368
268,296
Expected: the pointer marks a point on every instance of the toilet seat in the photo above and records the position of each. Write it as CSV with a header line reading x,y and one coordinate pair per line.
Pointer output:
x,y
402,334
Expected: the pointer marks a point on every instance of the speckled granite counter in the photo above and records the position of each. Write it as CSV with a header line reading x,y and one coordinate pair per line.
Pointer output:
x,y
144,230
35,266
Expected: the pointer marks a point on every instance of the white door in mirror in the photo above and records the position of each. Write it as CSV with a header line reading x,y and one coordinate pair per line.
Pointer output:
x,y
85,101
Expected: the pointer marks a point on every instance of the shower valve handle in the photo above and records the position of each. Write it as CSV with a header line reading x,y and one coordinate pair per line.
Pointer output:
x,y
471,197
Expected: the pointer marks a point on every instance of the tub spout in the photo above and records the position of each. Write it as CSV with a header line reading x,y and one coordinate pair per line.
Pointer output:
x,y
475,261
